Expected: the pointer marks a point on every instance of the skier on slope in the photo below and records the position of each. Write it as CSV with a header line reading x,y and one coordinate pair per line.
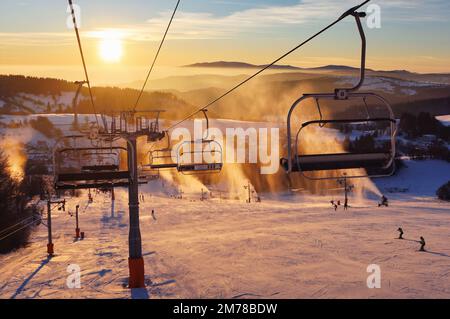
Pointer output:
x,y
422,244
335,206
400,230
384,201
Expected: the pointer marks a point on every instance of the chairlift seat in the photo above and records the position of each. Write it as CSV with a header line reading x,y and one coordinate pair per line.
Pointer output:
x,y
100,185
100,168
92,176
163,166
325,162
200,167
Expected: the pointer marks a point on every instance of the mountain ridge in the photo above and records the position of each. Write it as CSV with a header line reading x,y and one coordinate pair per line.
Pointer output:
x,y
245,65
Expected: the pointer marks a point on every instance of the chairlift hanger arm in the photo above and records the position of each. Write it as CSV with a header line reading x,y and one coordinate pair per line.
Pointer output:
x,y
205,113
342,93
151,153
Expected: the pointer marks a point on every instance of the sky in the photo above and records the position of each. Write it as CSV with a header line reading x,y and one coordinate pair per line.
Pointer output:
x,y
120,37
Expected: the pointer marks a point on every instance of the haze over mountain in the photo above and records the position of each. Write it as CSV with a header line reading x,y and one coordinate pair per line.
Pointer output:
x,y
244,65
330,68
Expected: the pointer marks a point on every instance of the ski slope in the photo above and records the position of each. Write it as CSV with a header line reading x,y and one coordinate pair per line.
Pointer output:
x,y
285,247
294,247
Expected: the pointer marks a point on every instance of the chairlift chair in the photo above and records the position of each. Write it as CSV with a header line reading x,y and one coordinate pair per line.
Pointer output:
x,y
195,163
383,162
91,175
161,159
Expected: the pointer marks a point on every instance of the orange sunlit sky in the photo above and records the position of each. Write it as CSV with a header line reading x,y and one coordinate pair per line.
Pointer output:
x,y
120,37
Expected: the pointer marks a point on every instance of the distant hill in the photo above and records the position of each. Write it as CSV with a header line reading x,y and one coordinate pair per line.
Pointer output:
x,y
332,67
239,65
269,95
244,65
338,69
31,95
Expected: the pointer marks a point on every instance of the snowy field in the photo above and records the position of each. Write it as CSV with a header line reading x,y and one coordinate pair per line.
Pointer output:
x,y
285,247
294,247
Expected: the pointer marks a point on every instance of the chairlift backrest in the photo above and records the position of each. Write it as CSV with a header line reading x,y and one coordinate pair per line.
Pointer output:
x,y
160,158
202,156
376,159
93,174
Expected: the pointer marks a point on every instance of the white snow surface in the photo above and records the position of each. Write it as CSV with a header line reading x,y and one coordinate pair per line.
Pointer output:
x,y
285,247
292,247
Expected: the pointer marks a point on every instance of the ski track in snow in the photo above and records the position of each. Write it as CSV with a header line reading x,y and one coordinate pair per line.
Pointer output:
x,y
228,249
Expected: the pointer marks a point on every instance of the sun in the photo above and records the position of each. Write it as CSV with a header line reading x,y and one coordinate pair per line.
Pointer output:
x,y
111,47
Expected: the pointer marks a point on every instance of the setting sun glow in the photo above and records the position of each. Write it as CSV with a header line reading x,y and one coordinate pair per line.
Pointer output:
x,y
111,48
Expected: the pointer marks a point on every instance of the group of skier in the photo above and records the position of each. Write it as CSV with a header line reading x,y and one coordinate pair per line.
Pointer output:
x,y
335,204
421,240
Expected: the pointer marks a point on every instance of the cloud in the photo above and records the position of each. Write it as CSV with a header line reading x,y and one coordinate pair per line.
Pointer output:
x,y
192,25
262,19
35,38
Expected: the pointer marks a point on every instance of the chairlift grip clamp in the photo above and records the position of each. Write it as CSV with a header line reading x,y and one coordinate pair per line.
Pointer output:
x,y
341,94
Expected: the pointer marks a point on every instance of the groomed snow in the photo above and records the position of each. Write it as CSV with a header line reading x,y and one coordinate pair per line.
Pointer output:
x,y
287,247
294,247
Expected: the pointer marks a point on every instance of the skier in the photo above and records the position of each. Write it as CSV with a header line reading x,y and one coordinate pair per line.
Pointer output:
x,y
400,230
422,244
335,206
384,201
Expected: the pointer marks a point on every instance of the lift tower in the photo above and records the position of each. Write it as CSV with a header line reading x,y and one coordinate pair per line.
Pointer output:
x,y
129,127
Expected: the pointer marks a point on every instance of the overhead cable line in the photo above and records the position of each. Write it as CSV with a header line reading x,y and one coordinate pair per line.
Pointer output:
x,y
17,230
343,16
75,25
15,225
156,56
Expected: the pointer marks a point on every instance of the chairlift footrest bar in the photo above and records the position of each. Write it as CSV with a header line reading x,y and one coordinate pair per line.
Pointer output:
x,y
100,168
326,162
96,176
59,186
199,167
